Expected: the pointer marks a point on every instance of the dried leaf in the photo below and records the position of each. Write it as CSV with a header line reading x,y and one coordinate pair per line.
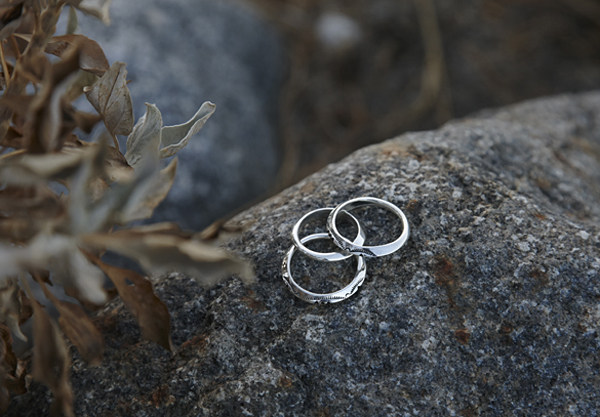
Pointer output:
x,y
79,119
8,356
96,8
173,138
77,84
10,19
72,292
116,166
72,22
14,369
13,139
7,364
91,56
77,326
221,232
111,99
46,111
150,138
91,59
21,229
145,136
10,307
88,213
34,169
50,353
33,59
148,310
27,202
26,308
161,253
18,104
148,195
59,254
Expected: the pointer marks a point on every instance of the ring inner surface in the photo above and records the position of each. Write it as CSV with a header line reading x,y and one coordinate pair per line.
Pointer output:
x,y
345,224
322,277
380,225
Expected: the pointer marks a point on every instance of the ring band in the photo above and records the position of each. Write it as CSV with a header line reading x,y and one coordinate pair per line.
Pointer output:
x,y
325,256
369,251
311,297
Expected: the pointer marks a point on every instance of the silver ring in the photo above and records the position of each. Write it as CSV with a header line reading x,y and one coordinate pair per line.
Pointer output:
x,y
311,297
369,251
325,256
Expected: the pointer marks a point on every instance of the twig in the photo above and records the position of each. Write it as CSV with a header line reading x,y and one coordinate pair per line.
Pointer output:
x,y
115,141
13,153
15,45
4,65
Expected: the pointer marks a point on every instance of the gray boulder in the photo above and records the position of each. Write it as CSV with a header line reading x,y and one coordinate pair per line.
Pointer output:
x,y
492,308
182,53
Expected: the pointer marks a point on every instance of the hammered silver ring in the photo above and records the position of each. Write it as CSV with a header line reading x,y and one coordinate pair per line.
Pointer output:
x,y
311,297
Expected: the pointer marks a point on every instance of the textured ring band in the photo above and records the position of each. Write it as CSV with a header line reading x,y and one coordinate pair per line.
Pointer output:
x,y
325,256
370,251
311,297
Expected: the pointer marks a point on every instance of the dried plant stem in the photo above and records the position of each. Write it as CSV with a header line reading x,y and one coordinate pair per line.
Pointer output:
x,y
26,286
115,141
4,65
13,153
45,23
15,46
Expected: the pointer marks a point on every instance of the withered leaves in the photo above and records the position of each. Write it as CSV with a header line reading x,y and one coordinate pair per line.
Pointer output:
x,y
12,370
96,8
161,252
10,19
174,138
10,306
92,58
27,169
111,99
61,198
77,326
148,310
149,194
150,138
52,361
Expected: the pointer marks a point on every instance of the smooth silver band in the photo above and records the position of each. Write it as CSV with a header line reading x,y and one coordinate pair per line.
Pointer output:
x,y
325,256
369,251
311,297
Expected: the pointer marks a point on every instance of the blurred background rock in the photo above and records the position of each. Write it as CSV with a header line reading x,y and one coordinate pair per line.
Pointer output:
x,y
302,83
180,53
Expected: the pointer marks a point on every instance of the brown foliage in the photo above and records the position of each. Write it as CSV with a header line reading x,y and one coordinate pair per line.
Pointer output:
x,y
58,238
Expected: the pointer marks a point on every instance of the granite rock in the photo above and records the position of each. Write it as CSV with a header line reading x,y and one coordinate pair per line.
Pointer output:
x,y
492,308
181,53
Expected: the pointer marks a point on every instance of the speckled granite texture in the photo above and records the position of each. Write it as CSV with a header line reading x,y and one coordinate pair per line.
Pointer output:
x,y
491,309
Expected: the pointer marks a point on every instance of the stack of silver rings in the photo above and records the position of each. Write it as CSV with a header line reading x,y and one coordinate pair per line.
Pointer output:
x,y
347,248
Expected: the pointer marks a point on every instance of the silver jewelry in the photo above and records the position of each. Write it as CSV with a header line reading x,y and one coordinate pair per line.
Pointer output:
x,y
325,256
311,297
369,251
354,248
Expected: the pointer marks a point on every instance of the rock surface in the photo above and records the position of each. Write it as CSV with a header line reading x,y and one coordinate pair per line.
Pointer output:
x,y
492,308
182,53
